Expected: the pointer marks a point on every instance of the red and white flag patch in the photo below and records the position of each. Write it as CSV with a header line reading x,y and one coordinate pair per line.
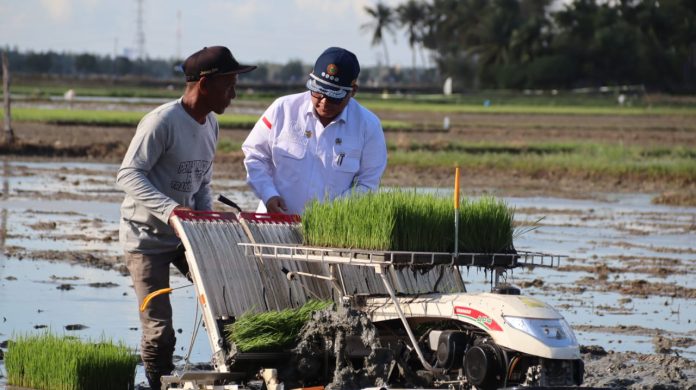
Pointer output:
x,y
267,122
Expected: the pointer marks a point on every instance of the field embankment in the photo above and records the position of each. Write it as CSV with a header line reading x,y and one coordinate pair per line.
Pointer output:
x,y
569,149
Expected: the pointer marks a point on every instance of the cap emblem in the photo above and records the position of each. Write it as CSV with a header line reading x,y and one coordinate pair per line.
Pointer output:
x,y
332,69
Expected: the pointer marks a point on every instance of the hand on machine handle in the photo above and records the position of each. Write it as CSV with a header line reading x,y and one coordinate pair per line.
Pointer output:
x,y
276,205
177,208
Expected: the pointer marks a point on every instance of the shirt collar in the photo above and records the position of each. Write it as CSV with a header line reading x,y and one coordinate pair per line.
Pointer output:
x,y
309,109
343,116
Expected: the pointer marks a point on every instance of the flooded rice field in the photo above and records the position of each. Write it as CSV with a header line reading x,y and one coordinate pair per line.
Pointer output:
x,y
626,281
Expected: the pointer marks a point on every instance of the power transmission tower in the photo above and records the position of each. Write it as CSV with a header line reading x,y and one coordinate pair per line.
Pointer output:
x,y
140,32
178,34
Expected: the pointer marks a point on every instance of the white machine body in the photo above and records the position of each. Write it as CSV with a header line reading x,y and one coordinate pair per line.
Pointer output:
x,y
517,322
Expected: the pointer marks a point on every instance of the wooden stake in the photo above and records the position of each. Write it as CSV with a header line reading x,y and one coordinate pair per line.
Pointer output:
x,y
9,134
456,211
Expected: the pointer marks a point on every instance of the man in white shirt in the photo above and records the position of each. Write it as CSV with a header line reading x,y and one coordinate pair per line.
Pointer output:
x,y
320,144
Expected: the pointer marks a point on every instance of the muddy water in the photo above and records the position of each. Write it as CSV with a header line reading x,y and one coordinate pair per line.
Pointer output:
x,y
621,243
627,277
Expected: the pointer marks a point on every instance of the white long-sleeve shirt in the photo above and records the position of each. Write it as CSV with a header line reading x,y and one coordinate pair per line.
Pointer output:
x,y
169,162
289,153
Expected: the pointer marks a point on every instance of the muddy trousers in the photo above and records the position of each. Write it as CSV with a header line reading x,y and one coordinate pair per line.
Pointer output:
x,y
151,273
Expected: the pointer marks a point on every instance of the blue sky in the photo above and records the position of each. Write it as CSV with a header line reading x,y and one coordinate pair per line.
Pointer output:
x,y
255,30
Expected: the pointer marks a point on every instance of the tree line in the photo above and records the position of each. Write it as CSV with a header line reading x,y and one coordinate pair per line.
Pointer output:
x,y
520,44
88,64
480,44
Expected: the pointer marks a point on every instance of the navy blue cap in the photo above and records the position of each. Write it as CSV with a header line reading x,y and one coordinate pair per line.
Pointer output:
x,y
334,73
211,61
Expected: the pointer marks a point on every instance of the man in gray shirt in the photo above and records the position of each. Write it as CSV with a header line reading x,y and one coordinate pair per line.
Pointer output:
x,y
169,166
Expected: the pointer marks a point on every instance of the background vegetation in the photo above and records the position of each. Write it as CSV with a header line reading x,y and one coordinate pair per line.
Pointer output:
x,y
480,44
526,44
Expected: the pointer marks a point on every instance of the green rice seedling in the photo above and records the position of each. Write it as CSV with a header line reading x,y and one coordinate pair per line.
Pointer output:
x,y
226,145
566,109
486,226
271,330
675,164
110,118
402,220
48,361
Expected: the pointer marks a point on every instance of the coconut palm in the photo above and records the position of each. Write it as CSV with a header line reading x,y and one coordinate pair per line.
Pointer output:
x,y
410,16
450,31
383,21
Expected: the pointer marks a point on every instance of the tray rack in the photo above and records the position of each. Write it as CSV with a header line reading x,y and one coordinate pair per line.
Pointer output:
x,y
385,262
497,262
364,257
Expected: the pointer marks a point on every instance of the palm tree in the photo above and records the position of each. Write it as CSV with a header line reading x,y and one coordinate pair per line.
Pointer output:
x,y
410,16
383,21
493,33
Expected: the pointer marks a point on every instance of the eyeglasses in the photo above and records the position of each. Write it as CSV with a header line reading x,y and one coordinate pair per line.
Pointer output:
x,y
319,96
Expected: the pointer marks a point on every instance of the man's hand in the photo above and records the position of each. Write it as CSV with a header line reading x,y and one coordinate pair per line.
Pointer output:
x,y
276,205
177,208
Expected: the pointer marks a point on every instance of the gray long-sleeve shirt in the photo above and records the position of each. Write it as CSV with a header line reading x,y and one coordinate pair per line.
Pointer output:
x,y
169,162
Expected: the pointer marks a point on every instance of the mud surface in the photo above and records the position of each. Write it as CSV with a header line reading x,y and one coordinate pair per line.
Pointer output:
x,y
331,330
613,370
630,370
628,275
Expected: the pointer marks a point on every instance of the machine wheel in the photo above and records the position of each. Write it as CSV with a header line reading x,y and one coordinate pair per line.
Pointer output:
x,y
483,366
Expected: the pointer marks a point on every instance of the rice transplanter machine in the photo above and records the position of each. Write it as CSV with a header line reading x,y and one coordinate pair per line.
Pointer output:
x,y
426,330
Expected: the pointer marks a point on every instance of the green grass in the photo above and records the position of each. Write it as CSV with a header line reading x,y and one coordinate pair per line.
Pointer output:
x,y
578,158
469,108
562,98
226,145
77,117
48,361
271,330
131,118
402,220
44,91
486,147
588,159
109,118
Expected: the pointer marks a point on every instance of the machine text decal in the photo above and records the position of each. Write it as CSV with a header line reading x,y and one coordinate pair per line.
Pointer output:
x,y
478,317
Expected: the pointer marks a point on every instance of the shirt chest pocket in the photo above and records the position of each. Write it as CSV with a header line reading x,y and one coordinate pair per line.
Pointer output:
x,y
291,148
346,159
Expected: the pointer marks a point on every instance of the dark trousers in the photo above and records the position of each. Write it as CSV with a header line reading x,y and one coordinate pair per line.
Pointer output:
x,y
151,273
